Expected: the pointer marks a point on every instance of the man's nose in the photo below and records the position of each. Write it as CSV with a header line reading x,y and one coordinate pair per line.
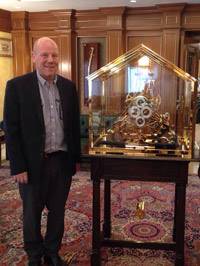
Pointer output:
x,y
50,58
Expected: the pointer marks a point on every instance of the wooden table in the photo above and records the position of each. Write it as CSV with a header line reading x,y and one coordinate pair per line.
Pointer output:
x,y
115,167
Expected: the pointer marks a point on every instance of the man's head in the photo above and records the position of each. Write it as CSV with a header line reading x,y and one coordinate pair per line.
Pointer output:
x,y
45,57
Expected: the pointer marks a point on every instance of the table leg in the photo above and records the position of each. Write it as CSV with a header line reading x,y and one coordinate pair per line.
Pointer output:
x,y
180,223
107,210
96,234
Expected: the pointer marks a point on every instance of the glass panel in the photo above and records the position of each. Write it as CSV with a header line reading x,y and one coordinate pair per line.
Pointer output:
x,y
141,106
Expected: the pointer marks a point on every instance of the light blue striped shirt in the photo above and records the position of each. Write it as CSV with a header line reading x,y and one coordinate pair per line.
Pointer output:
x,y
53,115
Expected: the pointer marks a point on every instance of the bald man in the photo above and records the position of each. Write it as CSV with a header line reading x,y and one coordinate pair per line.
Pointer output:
x,y
41,120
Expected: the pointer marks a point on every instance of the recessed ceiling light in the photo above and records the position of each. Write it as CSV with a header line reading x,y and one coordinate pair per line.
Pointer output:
x,y
133,1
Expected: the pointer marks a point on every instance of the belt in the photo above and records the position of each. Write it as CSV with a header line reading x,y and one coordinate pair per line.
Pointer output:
x,y
54,154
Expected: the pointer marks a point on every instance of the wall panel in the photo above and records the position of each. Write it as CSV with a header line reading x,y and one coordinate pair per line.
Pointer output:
x,y
153,40
160,28
144,21
6,67
21,49
123,28
171,39
91,20
191,17
5,21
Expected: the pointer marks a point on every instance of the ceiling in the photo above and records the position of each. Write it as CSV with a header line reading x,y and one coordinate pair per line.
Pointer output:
x,y
44,5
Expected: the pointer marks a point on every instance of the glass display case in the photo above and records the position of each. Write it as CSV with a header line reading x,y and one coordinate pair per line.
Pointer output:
x,y
141,104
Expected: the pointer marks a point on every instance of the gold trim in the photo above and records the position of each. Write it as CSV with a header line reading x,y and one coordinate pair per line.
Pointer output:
x,y
138,52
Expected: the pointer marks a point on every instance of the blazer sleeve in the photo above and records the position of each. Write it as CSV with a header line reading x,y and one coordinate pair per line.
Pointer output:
x,y
13,130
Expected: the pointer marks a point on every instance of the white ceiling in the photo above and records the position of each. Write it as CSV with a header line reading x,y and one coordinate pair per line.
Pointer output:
x,y
44,5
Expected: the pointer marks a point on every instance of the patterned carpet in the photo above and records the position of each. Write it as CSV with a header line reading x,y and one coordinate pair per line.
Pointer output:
x,y
155,226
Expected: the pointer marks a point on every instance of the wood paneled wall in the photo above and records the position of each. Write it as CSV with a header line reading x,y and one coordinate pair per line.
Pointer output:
x,y
162,28
20,36
5,21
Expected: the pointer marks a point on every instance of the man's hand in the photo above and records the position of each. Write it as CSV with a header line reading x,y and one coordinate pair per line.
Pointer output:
x,y
21,178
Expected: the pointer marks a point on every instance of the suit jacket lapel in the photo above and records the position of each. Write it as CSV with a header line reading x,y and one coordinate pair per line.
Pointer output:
x,y
35,91
64,99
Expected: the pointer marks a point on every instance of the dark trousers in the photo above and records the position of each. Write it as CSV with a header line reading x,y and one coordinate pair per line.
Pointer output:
x,y
51,192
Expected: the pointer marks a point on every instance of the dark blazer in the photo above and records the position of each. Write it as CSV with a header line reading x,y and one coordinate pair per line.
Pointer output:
x,y
24,124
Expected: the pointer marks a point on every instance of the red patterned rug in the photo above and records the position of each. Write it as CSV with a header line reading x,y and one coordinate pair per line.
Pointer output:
x,y
155,226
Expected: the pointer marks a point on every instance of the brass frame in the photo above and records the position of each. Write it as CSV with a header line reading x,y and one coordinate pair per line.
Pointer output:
x,y
110,69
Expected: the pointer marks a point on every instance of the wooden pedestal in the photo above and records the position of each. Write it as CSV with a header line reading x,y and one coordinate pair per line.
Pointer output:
x,y
113,167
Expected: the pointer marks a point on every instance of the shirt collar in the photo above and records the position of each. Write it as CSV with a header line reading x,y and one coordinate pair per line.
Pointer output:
x,y
44,81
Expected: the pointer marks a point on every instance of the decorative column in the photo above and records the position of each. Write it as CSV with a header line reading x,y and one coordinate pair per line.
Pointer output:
x,y
67,42
20,37
5,20
171,30
115,31
172,14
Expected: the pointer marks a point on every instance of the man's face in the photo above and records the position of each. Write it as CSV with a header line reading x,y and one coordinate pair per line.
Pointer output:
x,y
45,58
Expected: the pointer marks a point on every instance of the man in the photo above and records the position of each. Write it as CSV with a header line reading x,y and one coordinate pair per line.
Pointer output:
x,y
41,122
